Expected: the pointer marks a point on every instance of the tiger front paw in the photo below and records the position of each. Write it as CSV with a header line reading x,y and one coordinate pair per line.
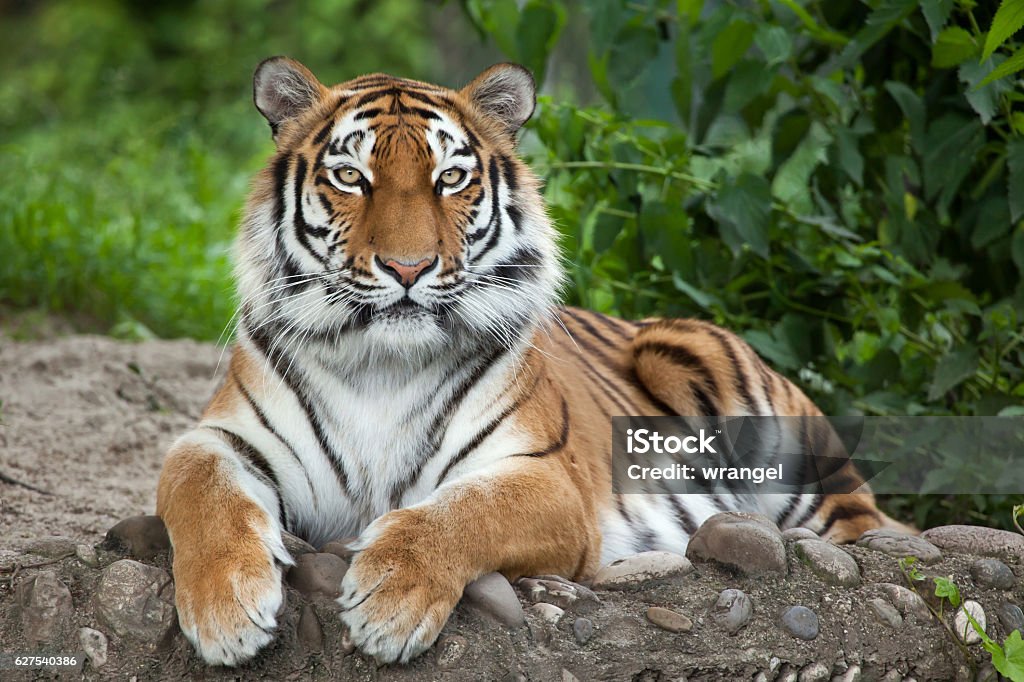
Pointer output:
x,y
397,593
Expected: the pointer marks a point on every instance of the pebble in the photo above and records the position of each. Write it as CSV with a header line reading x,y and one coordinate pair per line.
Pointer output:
x,y
637,569
793,534
962,626
815,672
141,537
828,562
667,619
801,622
900,545
450,649
295,545
733,610
52,547
568,676
749,543
993,573
561,592
992,542
46,610
852,674
906,601
1011,616
136,601
318,573
309,631
87,555
787,674
340,548
583,630
886,613
547,612
94,645
492,595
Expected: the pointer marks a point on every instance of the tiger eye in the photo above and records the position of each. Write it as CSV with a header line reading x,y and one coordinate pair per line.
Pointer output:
x,y
348,175
452,176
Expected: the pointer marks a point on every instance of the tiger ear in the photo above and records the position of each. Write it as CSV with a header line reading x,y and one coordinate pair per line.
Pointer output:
x,y
506,93
282,89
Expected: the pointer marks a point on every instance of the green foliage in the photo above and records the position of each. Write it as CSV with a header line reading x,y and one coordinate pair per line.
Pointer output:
x,y
841,182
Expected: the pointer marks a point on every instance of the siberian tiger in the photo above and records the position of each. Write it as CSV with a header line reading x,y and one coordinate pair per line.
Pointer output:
x,y
402,372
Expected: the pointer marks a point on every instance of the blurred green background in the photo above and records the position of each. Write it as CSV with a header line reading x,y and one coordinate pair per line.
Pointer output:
x,y
840,181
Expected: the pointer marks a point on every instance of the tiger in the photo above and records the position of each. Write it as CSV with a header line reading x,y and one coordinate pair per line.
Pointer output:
x,y
403,373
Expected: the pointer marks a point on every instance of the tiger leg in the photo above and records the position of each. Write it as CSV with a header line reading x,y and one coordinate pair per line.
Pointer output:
x,y
522,517
227,549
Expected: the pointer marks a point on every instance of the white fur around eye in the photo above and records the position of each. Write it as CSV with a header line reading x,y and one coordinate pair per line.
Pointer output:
x,y
459,185
342,178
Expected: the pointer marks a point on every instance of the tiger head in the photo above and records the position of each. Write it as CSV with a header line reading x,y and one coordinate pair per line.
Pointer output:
x,y
395,214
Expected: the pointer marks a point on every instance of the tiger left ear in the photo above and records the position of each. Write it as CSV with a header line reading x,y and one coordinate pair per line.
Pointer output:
x,y
506,93
282,89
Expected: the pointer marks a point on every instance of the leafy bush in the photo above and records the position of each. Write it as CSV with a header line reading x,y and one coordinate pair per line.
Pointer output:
x,y
841,182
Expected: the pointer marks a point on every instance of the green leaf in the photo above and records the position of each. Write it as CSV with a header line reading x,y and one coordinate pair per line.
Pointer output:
x,y
1009,659
947,589
536,34
774,42
730,45
954,46
953,369
1011,66
742,209
1015,178
777,350
850,158
792,181
690,9
1008,20
984,99
1017,250
936,13
702,298
913,110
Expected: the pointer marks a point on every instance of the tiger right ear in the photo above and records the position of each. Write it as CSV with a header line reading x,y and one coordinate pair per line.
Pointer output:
x,y
283,89
506,93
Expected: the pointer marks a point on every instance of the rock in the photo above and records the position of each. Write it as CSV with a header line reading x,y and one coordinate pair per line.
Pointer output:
x,y
637,569
962,626
450,649
801,622
733,610
787,674
992,542
309,632
667,619
886,613
492,595
52,547
794,534
992,573
561,592
906,601
295,545
514,676
136,601
141,537
94,645
46,611
87,555
583,630
900,545
749,543
828,562
815,672
340,548
568,676
852,674
318,573
549,613
1011,617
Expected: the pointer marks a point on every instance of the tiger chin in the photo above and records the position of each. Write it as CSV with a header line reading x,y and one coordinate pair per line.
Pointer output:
x,y
402,373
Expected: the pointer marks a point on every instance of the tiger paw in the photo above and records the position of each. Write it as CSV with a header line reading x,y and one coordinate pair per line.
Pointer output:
x,y
395,596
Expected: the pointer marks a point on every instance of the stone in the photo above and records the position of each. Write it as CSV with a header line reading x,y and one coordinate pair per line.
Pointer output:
x,y
815,672
749,543
87,555
318,574
992,573
46,610
583,630
992,542
94,646
828,562
136,602
886,613
52,547
906,601
801,622
667,619
492,595
733,610
549,613
787,674
340,548
852,674
309,631
900,545
561,592
140,537
794,534
568,676
295,545
962,625
450,649
1011,617
635,570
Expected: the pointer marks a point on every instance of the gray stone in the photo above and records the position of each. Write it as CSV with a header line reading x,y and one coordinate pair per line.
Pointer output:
x,y
733,610
549,613
46,610
815,672
318,574
667,619
992,573
52,547
583,630
94,645
450,649
309,631
852,674
900,545
794,534
635,570
962,626
295,545
886,613
140,537
906,601
977,540
561,592
492,595
749,543
787,674
340,548
568,676
136,601
1011,617
801,622
828,562
87,555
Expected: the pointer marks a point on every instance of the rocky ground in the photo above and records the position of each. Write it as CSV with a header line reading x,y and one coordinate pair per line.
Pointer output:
x,y
85,420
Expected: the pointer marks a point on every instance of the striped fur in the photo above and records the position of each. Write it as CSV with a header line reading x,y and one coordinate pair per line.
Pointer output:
x,y
457,425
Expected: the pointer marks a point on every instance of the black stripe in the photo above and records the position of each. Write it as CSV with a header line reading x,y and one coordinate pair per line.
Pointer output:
x,y
841,513
688,360
322,134
686,522
279,171
563,437
253,457
495,220
611,326
810,511
739,380
303,229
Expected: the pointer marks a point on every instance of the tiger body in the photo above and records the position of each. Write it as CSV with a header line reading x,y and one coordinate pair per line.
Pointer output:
x,y
402,373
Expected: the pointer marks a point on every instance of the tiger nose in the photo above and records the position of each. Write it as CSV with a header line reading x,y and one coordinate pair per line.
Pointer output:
x,y
405,273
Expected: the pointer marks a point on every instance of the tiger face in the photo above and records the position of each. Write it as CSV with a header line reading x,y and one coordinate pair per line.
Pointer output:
x,y
395,214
